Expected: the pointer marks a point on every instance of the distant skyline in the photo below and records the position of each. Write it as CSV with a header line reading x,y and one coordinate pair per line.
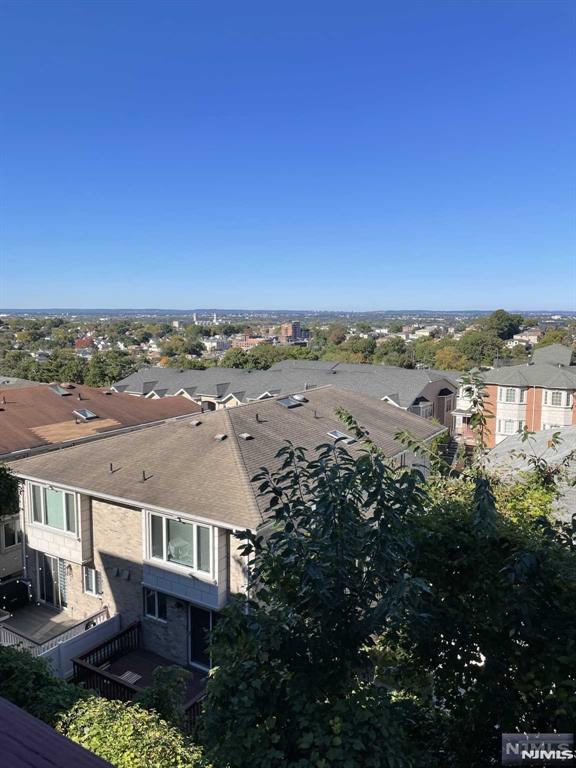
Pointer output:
x,y
332,155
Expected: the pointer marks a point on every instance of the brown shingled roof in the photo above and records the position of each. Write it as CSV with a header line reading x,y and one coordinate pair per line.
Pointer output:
x,y
189,471
36,417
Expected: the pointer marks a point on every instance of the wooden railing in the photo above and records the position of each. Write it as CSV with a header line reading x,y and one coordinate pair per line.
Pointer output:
x,y
192,710
87,667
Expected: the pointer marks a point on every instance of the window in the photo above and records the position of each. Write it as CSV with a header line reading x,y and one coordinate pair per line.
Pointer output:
x,y
508,427
555,398
521,425
182,543
92,581
54,508
10,534
568,399
155,604
510,395
522,396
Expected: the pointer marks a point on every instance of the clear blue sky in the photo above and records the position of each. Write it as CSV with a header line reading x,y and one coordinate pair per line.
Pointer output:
x,y
365,154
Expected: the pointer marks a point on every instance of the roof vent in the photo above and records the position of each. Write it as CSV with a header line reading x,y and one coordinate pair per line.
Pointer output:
x,y
85,414
246,436
195,423
288,402
220,436
342,437
300,398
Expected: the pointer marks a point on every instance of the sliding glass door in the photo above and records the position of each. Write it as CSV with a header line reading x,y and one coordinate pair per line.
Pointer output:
x,y
52,580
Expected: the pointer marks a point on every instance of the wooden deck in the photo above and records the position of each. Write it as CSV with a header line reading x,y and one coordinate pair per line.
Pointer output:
x,y
39,623
137,668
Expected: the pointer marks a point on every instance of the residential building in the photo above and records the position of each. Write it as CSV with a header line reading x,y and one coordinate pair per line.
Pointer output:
x,y
292,333
47,417
141,526
216,344
538,396
248,342
429,393
529,336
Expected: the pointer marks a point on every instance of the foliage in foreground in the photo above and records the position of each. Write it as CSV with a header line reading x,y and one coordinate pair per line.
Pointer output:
x,y
127,735
393,622
28,682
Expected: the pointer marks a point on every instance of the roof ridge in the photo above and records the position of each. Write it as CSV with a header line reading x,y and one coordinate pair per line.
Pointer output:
x,y
239,458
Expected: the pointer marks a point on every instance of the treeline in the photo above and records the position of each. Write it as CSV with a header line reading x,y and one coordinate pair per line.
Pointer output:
x,y
103,368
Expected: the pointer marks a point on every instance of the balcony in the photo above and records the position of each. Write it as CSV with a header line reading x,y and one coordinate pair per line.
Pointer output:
x,y
120,668
38,628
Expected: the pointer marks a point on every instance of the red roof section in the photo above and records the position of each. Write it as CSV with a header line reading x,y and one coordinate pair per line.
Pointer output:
x,y
32,417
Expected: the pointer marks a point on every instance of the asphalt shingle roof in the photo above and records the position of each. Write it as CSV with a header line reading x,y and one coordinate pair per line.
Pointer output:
x,y
187,470
502,459
403,384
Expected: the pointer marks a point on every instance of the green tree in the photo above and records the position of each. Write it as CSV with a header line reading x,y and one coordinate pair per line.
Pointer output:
x,y
502,323
64,365
292,684
235,358
28,682
167,694
128,736
9,503
393,351
448,358
480,347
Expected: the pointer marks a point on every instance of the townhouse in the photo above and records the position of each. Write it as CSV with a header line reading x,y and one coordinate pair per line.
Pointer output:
x,y
141,525
45,417
428,393
538,395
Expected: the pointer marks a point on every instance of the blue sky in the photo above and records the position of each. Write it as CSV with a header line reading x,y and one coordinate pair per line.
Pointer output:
x,y
324,154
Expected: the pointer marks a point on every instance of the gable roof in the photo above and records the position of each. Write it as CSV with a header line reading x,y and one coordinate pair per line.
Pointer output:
x,y
188,471
533,375
379,381
32,418
555,354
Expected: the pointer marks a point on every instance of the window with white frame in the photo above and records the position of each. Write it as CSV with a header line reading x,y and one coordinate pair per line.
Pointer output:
x,y
10,534
522,394
54,508
508,427
510,395
181,542
154,604
92,581
556,398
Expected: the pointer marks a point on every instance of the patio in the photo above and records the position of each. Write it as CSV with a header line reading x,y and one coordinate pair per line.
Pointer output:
x,y
39,628
137,667
39,623
121,668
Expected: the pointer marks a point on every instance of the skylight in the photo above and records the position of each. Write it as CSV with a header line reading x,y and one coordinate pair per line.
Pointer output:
x,y
60,390
85,414
288,402
342,436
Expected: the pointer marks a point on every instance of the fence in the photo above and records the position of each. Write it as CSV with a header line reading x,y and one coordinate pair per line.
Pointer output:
x,y
12,637
60,656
